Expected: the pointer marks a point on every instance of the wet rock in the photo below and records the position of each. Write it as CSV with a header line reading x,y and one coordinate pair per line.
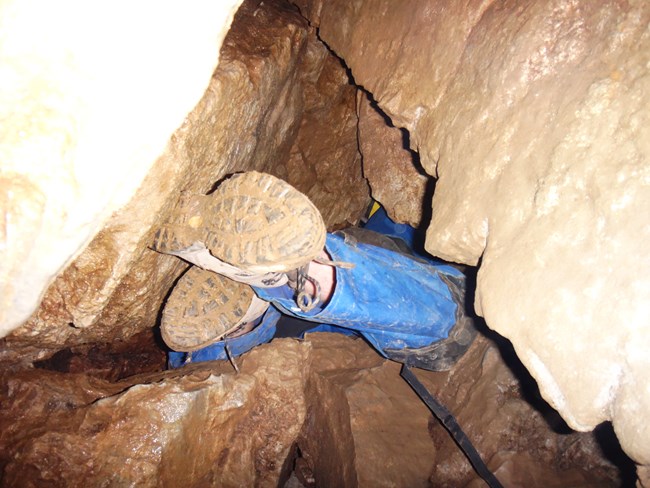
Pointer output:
x,y
327,409
114,361
276,86
375,431
325,162
200,428
522,440
37,401
534,119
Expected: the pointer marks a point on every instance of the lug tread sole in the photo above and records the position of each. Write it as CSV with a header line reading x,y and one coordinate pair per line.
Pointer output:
x,y
254,221
202,308
265,225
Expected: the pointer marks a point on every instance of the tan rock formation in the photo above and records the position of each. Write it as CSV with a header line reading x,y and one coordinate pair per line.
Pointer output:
x,y
392,173
276,86
498,405
88,97
219,429
535,119
330,403
325,162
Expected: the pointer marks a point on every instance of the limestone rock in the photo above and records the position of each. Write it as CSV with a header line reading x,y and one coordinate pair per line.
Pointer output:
x,y
390,167
369,427
522,440
534,118
325,162
274,76
202,427
111,361
328,408
87,103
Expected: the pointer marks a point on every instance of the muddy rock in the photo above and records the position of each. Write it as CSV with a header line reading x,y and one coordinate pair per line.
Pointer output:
x,y
534,119
521,439
325,162
275,87
363,426
391,166
199,427
113,361
328,410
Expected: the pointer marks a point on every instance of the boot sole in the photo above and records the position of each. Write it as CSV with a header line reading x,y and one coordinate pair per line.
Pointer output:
x,y
264,224
202,308
254,221
187,225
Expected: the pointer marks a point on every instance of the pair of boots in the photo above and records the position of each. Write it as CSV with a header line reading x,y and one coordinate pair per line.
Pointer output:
x,y
254,230
252,241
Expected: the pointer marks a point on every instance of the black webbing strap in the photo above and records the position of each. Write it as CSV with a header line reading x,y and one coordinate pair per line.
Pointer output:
x,y
449,422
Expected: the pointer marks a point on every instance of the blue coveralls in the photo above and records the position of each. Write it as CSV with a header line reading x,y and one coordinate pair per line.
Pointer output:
x,y
389,298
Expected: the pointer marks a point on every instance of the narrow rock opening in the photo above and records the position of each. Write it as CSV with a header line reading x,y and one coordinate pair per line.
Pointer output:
x,y
88,397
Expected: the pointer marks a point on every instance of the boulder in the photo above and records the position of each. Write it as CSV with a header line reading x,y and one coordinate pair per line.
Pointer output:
x,y
200,427
89,96
392,168
328,410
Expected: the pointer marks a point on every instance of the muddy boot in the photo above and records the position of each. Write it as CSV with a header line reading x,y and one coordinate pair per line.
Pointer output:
x,y
204,307
186,226
253,222
255,229
262,224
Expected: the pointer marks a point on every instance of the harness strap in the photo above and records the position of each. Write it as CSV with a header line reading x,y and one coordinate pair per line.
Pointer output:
x,y
449,422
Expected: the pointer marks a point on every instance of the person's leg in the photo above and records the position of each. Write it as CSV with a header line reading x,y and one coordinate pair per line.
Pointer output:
x,y
400,238
394,301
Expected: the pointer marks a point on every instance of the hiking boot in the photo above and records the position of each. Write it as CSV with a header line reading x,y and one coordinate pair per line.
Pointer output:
x,y
187,225
263,224
254,221
204,307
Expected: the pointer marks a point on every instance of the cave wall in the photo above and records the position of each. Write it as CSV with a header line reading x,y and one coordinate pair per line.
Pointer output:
x,y
89,95
534,118
391,167
275,88
328,409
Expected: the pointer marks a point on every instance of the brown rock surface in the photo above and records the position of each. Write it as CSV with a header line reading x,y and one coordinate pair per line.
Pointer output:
x,y
325,162
373,411
275,86
198,428
329,402
534,117
390,167
522,440
112,361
